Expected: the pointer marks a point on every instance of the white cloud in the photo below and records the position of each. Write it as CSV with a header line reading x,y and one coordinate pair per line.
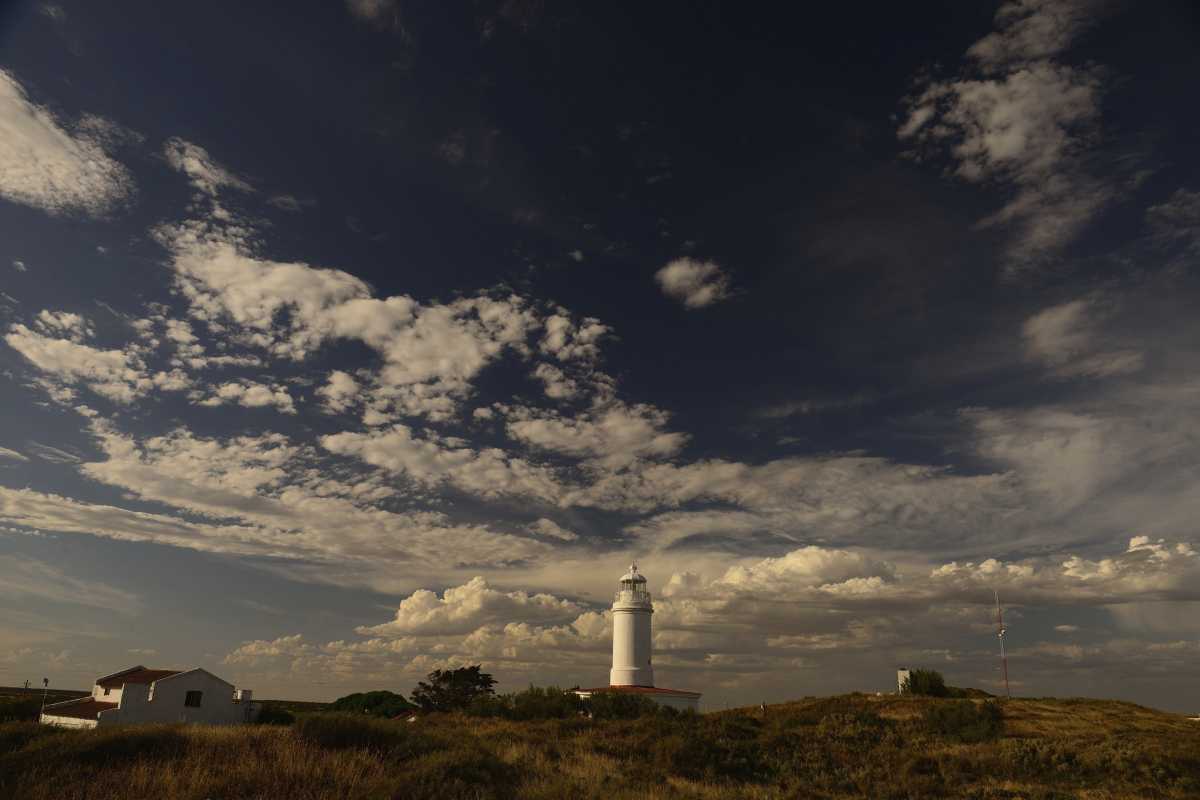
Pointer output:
x,y
19,266
285,504
115,374
1031,30
340,392
696,284
46,166
12,455
548,527
250,394
431,460
462,609
64,324
205,174
1024,122
1065,338
612,434
557,385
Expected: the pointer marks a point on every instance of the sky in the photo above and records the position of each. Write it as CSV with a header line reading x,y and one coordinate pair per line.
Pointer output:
x,y
380,336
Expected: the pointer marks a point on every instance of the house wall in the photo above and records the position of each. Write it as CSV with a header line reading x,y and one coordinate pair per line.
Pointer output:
x,y
113,696
67,722
164,702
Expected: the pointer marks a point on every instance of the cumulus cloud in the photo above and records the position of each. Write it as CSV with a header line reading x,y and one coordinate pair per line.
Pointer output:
x,y
204,173
694,283
548,527
115,374
1022,120
46,165
462,609
250,394
340,391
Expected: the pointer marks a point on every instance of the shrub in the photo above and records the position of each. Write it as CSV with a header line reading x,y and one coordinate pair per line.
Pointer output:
x,y
466,771
106,746
964,720
377,704
274,715
548,702
620,705
346,731
927,682
725,748
15,735
13,709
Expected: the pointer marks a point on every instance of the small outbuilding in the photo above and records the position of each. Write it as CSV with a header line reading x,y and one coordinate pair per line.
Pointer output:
x,y
138,694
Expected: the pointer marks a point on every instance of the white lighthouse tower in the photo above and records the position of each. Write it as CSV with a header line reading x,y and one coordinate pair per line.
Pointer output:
x,y
631,660
632,672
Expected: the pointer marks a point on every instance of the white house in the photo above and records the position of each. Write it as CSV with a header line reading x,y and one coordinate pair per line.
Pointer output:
x,y
139,694
632,663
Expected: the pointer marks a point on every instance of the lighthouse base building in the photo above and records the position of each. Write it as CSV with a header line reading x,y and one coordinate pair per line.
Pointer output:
x,y
632,668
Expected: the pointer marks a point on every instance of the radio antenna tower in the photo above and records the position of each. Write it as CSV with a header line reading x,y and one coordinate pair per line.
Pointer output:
x,y
1000,631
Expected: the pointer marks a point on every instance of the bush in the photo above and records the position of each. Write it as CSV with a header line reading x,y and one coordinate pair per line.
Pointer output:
x,y
467,771
377,704
13,709
620,705
724,748
270,714
346,731
927,682
964,720
106,746
548,702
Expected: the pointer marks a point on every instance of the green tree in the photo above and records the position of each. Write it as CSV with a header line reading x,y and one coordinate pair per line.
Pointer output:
x,y
453,689
927,682
380,703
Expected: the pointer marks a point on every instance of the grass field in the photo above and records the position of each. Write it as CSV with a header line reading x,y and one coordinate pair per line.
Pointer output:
x,y
853,746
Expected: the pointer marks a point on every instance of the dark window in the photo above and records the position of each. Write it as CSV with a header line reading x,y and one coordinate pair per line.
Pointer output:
x,y
193,699
107,689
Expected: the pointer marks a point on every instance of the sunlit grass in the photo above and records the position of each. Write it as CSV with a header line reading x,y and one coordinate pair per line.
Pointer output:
x,y
855,746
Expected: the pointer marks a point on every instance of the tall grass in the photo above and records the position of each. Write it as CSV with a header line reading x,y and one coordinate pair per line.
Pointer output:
x,y
855,746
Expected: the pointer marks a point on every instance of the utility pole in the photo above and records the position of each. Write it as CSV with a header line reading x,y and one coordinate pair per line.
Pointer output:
x,y
45,689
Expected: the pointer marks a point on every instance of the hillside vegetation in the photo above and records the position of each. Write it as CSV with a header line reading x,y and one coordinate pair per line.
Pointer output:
x,y
854,746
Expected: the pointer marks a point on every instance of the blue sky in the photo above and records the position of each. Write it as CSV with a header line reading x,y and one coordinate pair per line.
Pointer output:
x,y
380,336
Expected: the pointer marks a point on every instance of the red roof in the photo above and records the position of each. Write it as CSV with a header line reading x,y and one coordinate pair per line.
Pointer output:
x,y
87,708
138,674
643,690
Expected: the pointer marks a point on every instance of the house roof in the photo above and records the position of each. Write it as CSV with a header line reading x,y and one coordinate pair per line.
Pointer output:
x,y
138,674
87,708
643,690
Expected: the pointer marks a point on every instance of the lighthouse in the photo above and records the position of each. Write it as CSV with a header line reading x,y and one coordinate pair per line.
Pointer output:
x,y
631,611
632,669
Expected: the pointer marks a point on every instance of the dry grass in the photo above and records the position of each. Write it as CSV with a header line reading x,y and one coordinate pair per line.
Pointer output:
x,y
855,746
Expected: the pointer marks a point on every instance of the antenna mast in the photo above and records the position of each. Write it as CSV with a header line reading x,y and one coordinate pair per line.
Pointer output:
x,y
1000,633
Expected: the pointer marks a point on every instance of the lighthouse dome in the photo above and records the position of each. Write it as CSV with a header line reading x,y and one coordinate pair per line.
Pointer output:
x,y
633,576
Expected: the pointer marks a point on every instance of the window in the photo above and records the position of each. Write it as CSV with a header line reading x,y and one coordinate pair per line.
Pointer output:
x,y
107,689
193,699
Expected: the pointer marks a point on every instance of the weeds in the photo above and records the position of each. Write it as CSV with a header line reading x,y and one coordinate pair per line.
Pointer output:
x,y
854,746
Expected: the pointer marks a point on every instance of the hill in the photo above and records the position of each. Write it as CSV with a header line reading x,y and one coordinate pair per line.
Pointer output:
x,y
852,746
